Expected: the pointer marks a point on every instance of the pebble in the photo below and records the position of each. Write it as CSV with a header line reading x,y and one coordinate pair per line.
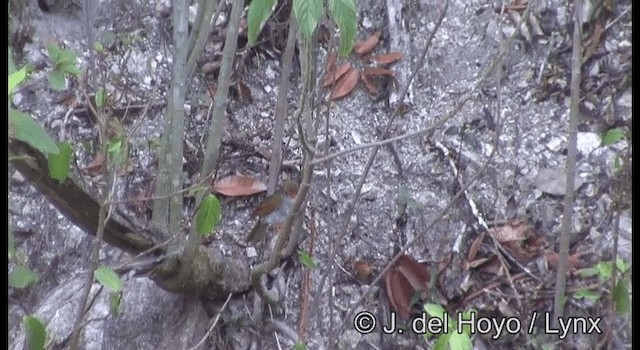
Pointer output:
x,y
587,142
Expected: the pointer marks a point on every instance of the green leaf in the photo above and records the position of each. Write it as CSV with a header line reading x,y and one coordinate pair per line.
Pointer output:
x,y
26,129
54,52
101,98
466,328
434,310
605,269
300,346
56,80
612,136
208,215
59,163
588,272
441,343
621,297
16,78
343,13
259,12
621,265
587,294
459,341
306,259
68,67
308,13
20,277
108,278
36,333
115,302
114,146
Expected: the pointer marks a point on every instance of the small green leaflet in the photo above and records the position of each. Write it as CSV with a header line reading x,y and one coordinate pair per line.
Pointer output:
x,y
622,266
101,98
343,13
16,78
300,346
605,269
36,333
308,13
208,215
621,297
306,259
108,278
21,277
434,310
26,129
587,294
459,341
259,12
59,163
443,340
115,302
61,57
56,80
612,136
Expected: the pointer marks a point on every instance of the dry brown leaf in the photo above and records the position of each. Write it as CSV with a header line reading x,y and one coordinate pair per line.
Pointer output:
x,y
399,292
375,71
365,46
371,87
346,84
210,67
239,185
493,266
472,264
386,58
594,41
416,274
96,166
331,62
553,259
475,247
333,75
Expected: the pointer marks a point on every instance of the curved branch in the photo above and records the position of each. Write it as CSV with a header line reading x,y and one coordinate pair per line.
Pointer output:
x,y
213,276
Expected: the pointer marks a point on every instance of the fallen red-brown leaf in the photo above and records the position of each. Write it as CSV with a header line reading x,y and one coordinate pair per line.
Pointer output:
x,y
345,84
365,46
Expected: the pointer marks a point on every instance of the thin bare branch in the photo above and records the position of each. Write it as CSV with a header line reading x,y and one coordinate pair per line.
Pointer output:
x,y
281,106
565,233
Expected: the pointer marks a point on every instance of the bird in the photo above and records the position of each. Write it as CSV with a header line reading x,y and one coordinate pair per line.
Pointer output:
x,y
273,210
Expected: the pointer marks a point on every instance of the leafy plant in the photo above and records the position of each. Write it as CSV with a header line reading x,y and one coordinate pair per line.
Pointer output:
x,y
308,13
22,127
604,271
208,215
306,259
35,331
64,62
21,277
449,338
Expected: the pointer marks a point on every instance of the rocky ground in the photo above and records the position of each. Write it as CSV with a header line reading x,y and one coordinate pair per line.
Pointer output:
x,y
520,112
